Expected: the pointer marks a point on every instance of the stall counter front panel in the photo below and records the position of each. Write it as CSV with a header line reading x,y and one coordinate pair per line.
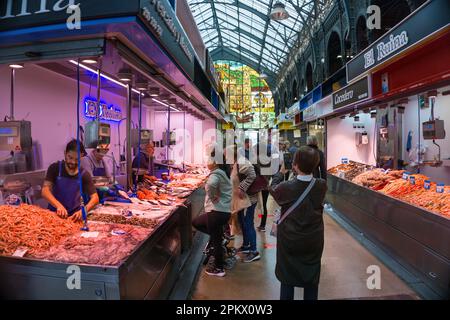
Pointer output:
x,y
148,272
416,237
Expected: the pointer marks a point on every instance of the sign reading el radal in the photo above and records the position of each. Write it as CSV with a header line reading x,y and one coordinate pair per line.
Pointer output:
x,y
431,17
355,92
164,24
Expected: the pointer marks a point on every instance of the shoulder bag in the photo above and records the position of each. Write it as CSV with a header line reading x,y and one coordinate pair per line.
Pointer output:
x,y
279,220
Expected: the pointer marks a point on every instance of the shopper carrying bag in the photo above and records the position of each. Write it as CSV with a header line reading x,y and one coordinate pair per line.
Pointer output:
x,y
300,235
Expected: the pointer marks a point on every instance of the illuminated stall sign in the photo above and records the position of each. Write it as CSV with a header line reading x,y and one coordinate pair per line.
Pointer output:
x,y
107,112
164,24
432,17
355,92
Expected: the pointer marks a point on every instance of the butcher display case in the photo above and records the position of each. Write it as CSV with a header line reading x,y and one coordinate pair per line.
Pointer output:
x,y
419,239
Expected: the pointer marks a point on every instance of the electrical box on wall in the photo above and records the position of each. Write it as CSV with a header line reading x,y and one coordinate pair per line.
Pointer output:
x,y
146,137
433,130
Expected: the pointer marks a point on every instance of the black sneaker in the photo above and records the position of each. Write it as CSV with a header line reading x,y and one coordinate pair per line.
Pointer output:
x,y
252,256
213,271
243,250
229,236
262,229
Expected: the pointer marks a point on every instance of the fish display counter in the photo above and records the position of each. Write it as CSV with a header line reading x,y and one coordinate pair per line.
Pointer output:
x,y
406,215
131,250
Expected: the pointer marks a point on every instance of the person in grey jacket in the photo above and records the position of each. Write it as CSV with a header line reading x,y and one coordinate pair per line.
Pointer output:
x,y
217,212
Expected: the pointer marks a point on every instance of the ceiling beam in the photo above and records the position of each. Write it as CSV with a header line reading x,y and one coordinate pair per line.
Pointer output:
x,y
266,27
213,7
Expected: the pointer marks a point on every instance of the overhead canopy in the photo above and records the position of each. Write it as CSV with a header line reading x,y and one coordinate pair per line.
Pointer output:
x,y
241,30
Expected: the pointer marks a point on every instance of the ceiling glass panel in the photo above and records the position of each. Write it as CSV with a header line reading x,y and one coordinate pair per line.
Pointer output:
x,y
243,26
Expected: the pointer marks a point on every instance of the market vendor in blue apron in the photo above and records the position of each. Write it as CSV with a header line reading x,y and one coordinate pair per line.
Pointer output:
x,y
62,189
95,164
144,160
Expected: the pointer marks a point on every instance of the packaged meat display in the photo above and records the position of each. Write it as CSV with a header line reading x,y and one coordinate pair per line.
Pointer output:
x,y
31,228
105,244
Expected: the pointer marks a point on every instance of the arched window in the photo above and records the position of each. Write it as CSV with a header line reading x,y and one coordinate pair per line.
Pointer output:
x,y
309,77
286,101
361,34
334,53
295,91
392,12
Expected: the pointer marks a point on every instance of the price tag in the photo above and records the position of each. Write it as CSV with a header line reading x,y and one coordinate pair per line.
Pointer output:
x,y
20,252
427,184
118,232
93,234
405,175
412,180
344,160
440,188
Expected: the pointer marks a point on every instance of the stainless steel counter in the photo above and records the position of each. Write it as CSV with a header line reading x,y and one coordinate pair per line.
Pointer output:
x,y
417,238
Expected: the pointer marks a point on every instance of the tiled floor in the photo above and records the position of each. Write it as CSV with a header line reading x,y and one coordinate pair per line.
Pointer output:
x,y
344,273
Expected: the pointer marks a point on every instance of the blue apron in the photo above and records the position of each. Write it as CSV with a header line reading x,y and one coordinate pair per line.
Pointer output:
x,y
98,172
67,192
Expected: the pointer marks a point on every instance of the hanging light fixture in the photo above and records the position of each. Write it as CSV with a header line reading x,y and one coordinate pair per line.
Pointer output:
x,y
279,12
125,75
172,102
141,85
154,91
89,61
165,97
16,66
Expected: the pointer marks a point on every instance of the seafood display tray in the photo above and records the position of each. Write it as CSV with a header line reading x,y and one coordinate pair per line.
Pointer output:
x,y
417,238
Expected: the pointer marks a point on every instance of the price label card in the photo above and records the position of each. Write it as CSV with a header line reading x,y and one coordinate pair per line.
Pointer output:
x,y
344,160
412,180
405,175
427,184
20,252
440,188
118,232
93,234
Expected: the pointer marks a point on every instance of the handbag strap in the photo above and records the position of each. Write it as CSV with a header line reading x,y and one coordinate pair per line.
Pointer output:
x,y
300,200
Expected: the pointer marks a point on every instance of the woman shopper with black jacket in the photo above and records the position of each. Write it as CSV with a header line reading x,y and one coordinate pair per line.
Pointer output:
x,y
321,170
300,237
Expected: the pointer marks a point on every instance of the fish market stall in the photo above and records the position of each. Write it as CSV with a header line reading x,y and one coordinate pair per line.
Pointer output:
x,y
131,251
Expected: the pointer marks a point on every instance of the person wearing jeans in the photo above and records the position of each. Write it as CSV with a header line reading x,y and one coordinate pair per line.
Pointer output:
x,y
247,175
246,219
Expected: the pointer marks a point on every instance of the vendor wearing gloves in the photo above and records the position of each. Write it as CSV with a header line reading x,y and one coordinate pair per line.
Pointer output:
x,y
62,189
